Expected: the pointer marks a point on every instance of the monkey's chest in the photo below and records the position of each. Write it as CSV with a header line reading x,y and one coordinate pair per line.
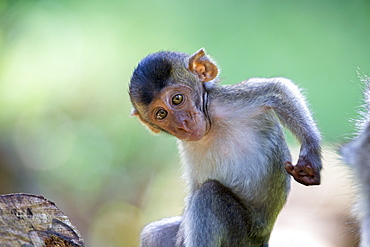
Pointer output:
x,y
242,164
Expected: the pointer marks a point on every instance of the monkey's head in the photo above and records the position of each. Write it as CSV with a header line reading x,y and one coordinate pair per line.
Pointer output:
x,y
167,93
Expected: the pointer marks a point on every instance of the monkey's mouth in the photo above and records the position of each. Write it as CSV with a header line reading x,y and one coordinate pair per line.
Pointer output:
x,y
192,135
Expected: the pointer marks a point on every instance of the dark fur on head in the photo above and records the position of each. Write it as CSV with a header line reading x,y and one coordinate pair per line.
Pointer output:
x,y
154,73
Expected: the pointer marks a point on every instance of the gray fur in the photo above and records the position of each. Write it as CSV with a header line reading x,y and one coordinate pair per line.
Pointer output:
x,y
357,154
161,233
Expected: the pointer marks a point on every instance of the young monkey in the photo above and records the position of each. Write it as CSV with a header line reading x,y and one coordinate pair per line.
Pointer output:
x,y
234,154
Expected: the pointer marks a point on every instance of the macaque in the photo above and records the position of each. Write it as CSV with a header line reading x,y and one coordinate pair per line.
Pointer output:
x,y
357,154
234,154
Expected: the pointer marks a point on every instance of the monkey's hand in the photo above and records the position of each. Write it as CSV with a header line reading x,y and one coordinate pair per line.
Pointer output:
x,y
303,172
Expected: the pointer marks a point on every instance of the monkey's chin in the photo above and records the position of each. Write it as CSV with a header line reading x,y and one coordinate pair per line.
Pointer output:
x,y
191,136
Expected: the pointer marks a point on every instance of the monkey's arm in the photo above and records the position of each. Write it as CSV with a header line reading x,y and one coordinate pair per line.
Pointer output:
x,y
291,108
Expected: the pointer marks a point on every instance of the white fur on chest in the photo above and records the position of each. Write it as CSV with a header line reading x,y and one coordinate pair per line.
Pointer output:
x,y
234,155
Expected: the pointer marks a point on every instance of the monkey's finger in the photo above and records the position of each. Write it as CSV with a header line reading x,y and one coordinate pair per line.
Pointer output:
x,y
309,170
311,176
307,180
292,171
296,170
312,180
289,167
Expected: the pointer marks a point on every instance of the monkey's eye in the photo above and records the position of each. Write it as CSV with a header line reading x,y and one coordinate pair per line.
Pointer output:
x,y
177,99
161,114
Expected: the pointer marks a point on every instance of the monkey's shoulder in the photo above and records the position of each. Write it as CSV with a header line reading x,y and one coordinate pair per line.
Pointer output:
x,y
233,114
229,111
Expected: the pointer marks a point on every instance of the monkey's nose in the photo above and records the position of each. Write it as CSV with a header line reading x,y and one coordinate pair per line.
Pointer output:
x,y
183,125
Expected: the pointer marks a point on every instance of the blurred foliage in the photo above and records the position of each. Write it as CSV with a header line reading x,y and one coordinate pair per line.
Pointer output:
x,y
65,66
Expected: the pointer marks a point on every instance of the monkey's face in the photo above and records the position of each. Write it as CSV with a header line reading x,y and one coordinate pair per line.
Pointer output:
x,y
177,109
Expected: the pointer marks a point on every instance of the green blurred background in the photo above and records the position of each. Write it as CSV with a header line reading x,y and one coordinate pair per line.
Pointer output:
x,y
65,66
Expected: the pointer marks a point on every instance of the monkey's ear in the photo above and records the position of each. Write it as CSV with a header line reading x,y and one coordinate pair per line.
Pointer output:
x,y
202,66
135,113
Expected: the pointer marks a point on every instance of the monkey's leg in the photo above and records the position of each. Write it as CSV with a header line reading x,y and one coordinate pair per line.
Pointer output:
x,y
161,233
216,217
